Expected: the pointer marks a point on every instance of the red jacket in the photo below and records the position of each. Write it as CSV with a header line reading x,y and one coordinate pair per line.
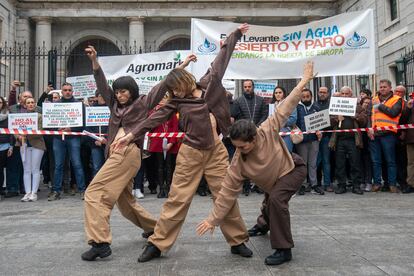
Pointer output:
x,y
169,126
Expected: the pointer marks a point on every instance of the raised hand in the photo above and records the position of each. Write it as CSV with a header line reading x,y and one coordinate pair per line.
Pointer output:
x,y
188,59
308,71
92,55
244,28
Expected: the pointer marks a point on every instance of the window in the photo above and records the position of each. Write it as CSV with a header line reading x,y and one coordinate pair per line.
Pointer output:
x,y
393,9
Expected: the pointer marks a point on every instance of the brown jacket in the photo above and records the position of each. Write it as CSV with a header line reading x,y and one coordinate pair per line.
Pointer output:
x,y
360,120
131,116
264,165
195,112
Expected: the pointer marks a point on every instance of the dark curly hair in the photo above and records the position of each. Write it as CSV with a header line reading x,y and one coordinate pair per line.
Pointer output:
x,y
243,130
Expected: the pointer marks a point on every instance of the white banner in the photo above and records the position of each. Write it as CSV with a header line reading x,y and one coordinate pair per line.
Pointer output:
x,y
23,121
318,120
340,45
83,86
97,116
343,106
62,115
147,69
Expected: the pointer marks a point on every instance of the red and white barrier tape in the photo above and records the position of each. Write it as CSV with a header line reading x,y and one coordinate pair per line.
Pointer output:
x,y
182,134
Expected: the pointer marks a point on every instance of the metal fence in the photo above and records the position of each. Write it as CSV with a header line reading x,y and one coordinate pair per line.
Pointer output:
x,y
408,70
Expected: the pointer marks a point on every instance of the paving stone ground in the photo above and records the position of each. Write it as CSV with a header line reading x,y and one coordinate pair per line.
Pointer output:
x,y
346,234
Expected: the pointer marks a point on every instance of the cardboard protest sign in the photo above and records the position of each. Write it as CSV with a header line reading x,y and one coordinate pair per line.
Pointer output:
x,y
317,121
83,86
62,115
343,106
23,121
97,116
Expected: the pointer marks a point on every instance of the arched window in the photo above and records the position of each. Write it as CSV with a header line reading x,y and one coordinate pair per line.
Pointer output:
x,y
78,64
179,43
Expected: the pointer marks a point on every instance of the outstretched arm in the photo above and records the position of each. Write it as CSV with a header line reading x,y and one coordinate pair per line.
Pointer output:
x,y
219,65
284,109
101,83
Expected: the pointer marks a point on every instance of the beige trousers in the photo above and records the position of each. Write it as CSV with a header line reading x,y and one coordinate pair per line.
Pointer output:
x,y
191,165
113,184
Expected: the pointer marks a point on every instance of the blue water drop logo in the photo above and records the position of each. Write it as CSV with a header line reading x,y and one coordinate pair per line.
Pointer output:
x,y
207,47
356,37
207,43
356,40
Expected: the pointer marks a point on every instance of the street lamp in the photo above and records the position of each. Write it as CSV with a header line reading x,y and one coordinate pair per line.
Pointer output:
x,y
400,64
363,81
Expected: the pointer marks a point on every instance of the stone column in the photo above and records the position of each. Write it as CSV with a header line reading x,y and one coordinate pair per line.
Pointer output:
x,y
136,34
43,46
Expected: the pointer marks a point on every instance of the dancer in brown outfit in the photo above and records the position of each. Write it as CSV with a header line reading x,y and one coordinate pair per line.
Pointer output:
x,y
262,156
205,113
113,183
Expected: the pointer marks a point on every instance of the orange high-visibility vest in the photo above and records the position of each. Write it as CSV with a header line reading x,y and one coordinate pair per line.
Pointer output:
x,y
380,119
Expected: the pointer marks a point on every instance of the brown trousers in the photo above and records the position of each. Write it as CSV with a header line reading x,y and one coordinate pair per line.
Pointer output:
x,y
113,184
191,165
275,207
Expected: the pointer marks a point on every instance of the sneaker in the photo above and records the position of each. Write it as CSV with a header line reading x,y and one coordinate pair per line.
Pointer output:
x,y
357,190
308,188
53,196
368,187
394,190
101,250
33,197
139,194
241,250
341,189
317,190
376,188
26,197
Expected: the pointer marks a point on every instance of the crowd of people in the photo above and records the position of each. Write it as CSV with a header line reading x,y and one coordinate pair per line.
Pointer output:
x,y
359,161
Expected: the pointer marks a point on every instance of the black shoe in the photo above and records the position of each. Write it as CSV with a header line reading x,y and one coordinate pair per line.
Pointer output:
x,y
407,190
101,250
279,257
162,194
146,235
340,190
302,190
11,194
385,188
357,190
318,190
257,231
308,189
150,252
246,189
241,250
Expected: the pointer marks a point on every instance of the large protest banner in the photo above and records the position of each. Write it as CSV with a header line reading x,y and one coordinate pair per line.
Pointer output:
x,y
342,106
23,121
97,115
83,86
62,115
147,69
340,45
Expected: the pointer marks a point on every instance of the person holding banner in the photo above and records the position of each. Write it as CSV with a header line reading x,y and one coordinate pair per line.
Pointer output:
x,y
6,142
32,148
205,113
113,183
262,156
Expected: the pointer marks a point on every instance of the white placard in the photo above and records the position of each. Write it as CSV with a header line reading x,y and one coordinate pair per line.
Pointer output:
x,y
147,69
343,106
62,115
23,121
97,116
83,86
266,52
229,85
317,121
265,88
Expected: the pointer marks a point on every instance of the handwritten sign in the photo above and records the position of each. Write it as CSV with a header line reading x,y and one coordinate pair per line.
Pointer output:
x,y
97,116
343,106
23,121
83,86
62,115
317,121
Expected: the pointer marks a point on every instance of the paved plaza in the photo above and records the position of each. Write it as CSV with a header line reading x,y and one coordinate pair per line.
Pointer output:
x,y
334,235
